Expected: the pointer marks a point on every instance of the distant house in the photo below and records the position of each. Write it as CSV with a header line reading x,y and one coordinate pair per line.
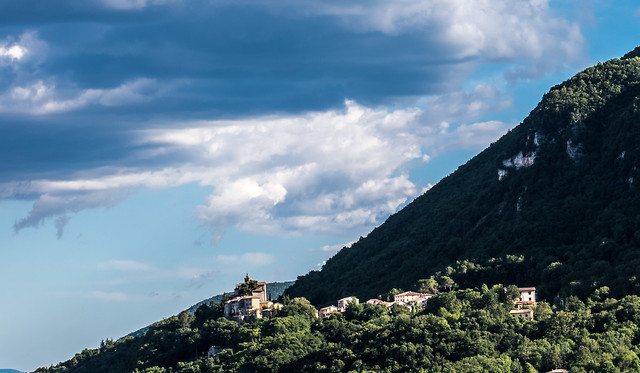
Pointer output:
x,y
342,303
377,301
558,371
527,294
410,296
327,311
524,313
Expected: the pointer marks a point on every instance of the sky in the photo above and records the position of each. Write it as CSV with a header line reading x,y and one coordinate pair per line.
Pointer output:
x,y
153,152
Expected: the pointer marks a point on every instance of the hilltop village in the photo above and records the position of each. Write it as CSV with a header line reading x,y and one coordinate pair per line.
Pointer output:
x,y
250,301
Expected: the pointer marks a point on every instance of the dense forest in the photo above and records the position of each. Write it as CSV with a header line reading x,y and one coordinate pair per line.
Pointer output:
x,y
558,192
466,330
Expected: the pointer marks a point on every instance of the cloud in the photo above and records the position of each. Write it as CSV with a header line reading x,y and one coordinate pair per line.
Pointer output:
x,y
319,172
248,259
114,296
251,56
27,45
15,52
125,4
486,29
61,223
248,98
125,265
40,98
462,106
477,135
52,205
334,248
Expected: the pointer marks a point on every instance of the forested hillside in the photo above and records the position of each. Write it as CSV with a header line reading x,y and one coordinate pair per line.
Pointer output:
x,y
559,193
459,331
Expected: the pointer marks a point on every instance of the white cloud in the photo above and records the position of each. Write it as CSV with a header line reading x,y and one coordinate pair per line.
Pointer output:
x,y
125,4
334,171
42,98
491,30
132,4
15,52
26,49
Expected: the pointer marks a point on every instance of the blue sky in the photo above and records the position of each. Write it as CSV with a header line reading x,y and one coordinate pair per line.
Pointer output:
x,y
154,151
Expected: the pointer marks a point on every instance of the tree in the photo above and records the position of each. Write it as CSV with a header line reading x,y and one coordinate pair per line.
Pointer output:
x,y
445,282
298,307
429,285
248,286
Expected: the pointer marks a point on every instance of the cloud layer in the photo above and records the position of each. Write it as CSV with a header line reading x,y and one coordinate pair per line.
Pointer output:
x,y
101,99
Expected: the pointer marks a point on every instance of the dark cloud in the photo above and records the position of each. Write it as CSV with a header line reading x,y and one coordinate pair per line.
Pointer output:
x,y
240,56
207,59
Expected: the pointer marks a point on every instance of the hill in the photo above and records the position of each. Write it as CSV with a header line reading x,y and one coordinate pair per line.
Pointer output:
x,y
554,203
468,330
9,371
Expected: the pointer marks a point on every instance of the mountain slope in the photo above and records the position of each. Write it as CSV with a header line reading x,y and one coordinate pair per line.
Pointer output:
x,y
560,191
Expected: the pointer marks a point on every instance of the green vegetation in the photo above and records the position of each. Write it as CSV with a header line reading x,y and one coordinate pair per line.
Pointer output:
x,y
572,219
460,331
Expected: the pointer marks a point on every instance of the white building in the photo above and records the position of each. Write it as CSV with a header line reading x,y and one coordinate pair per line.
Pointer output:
x,y
327,311
410,296
377,301
527,294
524,313
342,303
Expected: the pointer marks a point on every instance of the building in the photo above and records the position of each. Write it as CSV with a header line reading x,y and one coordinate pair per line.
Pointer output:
x,y
378,301
241,306
527,294
342,303
253,306
524,313
327,311
260,291
410,296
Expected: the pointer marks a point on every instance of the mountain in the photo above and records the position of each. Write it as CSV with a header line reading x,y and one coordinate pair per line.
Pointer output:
x,y
9,371
554,204
275,289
